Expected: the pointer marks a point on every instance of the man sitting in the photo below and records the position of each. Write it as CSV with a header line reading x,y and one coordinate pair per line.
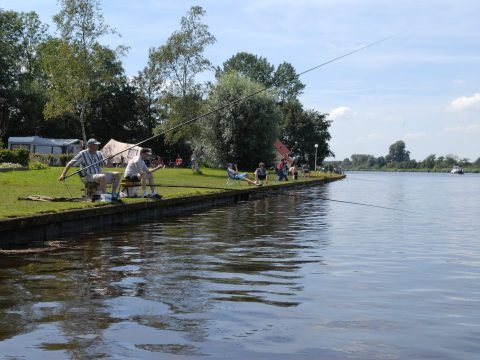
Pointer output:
x,y
90,162
261,173
138,171
306,169
234,174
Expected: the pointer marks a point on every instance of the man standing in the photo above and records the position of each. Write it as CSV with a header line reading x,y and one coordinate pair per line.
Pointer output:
x,y
137,170
90,162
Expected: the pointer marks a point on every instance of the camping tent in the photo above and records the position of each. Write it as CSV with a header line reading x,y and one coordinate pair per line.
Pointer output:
x,y
282,151
39,145
123,155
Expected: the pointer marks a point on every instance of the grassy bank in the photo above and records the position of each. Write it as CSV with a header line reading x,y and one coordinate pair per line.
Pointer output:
x,y
17,184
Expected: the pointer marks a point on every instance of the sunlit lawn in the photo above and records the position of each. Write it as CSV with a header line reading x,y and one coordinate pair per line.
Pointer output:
x,y
17,184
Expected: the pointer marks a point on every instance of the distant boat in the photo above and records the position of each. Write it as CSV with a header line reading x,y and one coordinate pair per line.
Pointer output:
x,y
457,170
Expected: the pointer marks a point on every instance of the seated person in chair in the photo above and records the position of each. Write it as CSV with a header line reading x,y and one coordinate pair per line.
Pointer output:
x,y
90,162
138,171
235,175
261,173
306,169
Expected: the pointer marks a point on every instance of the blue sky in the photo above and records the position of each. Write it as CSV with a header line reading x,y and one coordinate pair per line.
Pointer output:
x,y
422,87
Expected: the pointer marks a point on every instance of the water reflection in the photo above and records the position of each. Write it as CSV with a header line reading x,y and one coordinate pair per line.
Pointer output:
x,y
154,287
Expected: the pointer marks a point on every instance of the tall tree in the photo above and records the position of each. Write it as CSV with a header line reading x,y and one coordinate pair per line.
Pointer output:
x,y
244,132
180,60
287,84
182,56
302,129
250,66
68,61
397,152
21,83
149,84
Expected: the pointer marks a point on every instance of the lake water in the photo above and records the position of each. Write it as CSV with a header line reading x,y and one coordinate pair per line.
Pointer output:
x,y
290,277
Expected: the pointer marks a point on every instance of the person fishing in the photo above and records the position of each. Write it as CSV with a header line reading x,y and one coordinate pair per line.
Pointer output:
x,y
138,171
90,162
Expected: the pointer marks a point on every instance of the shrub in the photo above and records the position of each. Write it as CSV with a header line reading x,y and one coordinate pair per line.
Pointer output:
x,y
37,165
18,156
10,166
42,158
64,159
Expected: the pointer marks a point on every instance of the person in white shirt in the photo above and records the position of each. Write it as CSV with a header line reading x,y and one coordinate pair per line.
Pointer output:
x,y
137,170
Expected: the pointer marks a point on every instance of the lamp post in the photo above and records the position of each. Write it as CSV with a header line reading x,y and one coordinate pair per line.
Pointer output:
x,y
316,148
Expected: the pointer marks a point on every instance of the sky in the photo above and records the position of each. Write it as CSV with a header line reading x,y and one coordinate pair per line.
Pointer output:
x,y
421,86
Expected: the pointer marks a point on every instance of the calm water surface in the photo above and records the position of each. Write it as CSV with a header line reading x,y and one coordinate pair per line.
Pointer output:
x,y
290,277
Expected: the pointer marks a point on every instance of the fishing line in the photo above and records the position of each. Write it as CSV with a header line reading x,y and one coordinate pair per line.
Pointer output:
x,y
283,193
347,202
233,102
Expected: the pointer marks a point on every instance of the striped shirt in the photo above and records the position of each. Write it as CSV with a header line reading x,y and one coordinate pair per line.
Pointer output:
x,y
92,162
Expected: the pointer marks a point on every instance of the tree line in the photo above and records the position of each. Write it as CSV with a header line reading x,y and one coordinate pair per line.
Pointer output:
x,y
398,158
70,85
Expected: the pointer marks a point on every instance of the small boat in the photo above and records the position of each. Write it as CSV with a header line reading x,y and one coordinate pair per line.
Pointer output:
x,y
457,170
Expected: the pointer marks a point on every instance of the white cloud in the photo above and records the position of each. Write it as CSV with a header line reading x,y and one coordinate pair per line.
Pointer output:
x,y
369,137
339,112
462,129
416,135
465,102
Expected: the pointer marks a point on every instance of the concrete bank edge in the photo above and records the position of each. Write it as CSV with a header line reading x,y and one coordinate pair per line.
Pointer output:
x,y
26,230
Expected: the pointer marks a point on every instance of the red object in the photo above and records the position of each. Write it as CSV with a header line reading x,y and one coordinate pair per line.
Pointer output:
x,y
178,162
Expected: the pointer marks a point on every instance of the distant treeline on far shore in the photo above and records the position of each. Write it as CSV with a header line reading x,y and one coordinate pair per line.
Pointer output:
x,y
398,159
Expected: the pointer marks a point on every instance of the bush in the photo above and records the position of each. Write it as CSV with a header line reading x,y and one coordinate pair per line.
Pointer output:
x,y
64,159
37,165
18,156
42,158
10,166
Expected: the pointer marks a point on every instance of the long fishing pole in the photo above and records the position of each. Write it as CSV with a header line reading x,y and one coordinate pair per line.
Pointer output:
x,y
233,102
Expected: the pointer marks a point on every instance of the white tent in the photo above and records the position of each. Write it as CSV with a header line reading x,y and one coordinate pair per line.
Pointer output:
x,y
123,155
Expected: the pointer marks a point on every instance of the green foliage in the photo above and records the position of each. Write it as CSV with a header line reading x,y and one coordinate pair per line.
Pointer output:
x,y
398,153
64,159
181,59
76,62
250,66
302,129
287,84
38,165
18,156
244,132
22,93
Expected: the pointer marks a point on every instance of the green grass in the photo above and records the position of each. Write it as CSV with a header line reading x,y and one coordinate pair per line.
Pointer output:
x,y
15,184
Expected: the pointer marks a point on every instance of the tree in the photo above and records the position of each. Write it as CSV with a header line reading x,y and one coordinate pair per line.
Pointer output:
x,y
182,56
69,61
429,161
250,66
149,84
287,84
22,94
302,129
180,60
244,132
397,152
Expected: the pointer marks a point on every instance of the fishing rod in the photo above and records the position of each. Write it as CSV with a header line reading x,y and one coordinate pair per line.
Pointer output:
x,y
233,102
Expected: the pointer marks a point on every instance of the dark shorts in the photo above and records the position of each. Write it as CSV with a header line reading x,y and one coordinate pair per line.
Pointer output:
x,y
132,178
262,177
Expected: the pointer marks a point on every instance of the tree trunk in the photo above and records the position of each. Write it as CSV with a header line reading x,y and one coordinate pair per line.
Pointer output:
x,y
82,125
